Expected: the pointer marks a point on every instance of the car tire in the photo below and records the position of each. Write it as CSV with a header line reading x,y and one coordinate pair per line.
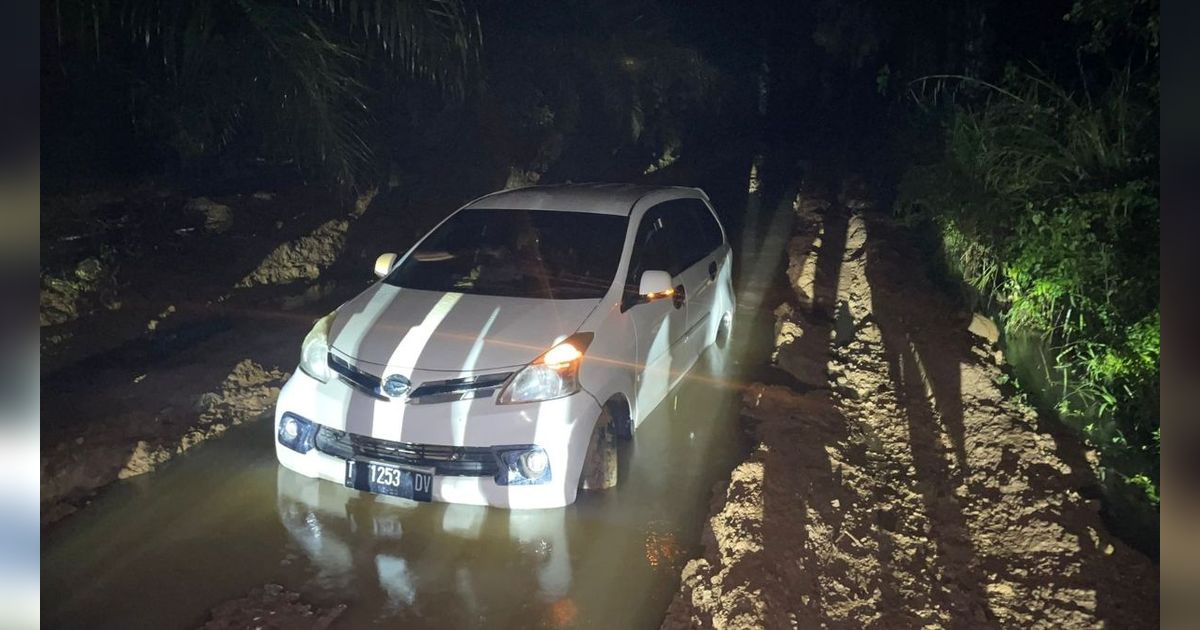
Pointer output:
x,y
600,466
724,331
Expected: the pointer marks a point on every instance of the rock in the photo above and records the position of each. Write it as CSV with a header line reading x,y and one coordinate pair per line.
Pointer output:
x,y
264,196
983,326
218,218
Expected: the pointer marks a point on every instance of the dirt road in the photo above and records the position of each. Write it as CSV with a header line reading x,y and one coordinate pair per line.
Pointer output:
x,y
897,481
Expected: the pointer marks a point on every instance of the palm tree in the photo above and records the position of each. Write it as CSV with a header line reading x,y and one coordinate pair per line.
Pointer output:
x,y
287,80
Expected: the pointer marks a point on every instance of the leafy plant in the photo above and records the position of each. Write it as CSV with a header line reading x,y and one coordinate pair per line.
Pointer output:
x,y
281,80
1046,202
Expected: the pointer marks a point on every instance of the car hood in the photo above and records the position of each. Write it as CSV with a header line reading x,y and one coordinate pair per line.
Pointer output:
x,y
429,330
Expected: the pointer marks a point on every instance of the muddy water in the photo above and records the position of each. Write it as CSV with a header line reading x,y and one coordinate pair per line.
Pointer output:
x,y
159,551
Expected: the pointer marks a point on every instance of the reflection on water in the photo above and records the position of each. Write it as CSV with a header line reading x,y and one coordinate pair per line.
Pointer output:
x,y
457,562
161,551
662,545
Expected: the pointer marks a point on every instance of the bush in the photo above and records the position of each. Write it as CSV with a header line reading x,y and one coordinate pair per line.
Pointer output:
x,y
1047,207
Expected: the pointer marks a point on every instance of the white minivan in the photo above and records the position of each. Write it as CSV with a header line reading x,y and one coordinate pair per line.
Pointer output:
x,y
497,361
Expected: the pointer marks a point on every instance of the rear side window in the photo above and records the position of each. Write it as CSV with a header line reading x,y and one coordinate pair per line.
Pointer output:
x,y
707,230
695,233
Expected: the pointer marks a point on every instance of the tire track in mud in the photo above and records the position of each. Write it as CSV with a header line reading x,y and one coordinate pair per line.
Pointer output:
x,y
895,483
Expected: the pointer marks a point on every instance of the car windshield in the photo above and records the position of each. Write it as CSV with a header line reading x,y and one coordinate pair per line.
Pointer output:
x,y
517,253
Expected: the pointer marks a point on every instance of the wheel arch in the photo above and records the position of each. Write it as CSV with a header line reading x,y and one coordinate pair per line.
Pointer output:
x,y
621,411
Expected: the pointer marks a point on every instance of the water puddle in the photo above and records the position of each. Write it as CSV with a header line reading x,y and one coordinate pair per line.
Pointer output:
x,y
160,551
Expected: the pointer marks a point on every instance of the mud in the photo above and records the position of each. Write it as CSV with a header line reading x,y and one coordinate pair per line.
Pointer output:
x,y
302,259
129,445
897,482
308,256
66,296
180,362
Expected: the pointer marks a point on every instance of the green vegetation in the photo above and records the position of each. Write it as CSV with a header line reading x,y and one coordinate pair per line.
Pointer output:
x,y
281,81
1045,198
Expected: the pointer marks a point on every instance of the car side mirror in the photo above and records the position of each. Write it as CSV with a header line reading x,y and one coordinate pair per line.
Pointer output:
x,y
655,285
383,264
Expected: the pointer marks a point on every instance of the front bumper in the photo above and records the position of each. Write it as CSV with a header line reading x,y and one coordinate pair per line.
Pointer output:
x,y
561,427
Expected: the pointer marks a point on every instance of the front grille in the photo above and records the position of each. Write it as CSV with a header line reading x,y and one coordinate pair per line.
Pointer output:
x,y
462,461
368,383
456,389
427,393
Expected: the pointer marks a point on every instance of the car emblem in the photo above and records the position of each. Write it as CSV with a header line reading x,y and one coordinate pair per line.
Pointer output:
x,y
396,386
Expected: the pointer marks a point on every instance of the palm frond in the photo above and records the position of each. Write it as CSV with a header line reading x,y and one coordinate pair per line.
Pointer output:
x,y
285,77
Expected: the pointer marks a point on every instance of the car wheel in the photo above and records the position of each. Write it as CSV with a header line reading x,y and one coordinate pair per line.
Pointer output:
x,y
724,331
600,466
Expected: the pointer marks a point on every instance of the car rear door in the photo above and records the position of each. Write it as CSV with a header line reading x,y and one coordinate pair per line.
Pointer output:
x,y
698,249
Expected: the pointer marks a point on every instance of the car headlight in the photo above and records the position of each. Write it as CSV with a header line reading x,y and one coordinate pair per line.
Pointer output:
x,y
315,350
554,374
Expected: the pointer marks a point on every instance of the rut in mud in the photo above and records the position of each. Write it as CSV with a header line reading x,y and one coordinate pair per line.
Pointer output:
x,y
897,482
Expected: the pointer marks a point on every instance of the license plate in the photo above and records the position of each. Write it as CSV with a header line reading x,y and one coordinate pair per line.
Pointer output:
x,y
390,479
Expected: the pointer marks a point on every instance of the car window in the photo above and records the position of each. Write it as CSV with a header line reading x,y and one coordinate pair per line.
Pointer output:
x,y
517,253
654,246
694,232
708,230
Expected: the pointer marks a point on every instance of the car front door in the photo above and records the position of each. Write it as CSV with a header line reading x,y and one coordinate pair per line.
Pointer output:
x,y
659,325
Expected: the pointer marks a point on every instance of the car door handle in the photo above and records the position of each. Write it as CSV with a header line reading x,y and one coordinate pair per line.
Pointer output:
x,y
712,270
679,298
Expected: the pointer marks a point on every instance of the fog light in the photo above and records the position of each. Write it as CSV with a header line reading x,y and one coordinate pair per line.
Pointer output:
x,y
534,463
522,466
296,433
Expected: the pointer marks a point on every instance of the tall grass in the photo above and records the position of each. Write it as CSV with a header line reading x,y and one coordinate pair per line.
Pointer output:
x,y
1046,202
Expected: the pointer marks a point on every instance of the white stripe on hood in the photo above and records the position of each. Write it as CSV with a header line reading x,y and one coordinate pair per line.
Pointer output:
x,y
460,409
404,355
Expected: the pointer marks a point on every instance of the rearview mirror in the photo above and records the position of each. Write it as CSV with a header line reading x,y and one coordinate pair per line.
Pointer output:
x,y
383,264
655,284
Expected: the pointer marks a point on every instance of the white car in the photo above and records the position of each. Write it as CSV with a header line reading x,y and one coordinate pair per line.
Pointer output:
x,y
496,362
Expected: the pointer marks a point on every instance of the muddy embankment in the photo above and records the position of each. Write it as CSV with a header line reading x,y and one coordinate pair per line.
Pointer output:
x,y
897,481
179,324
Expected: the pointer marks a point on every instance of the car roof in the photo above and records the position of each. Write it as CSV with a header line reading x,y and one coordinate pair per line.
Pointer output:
x,y
596,198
